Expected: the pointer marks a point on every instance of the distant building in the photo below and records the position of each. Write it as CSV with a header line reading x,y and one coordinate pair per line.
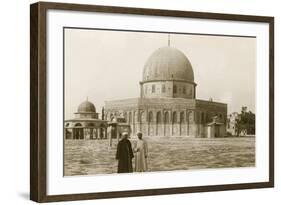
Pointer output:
x,y
116,126
167,105
86,124
231,123
215,128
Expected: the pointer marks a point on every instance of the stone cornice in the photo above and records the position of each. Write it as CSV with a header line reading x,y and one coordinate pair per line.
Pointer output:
x,y
173,80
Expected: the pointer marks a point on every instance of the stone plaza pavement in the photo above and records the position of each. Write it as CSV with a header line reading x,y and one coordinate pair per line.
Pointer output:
x,y
89,157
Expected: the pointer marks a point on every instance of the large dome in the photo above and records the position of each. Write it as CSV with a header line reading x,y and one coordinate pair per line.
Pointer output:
x,y
86,106
168,63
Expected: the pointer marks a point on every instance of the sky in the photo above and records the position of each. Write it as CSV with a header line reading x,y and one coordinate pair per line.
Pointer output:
x,y
107,65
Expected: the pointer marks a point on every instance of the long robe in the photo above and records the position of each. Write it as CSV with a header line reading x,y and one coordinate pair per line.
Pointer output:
x,y
141,155
124,156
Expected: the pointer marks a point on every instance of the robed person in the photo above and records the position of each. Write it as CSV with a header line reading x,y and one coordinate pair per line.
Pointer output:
x,y
124,154
141,154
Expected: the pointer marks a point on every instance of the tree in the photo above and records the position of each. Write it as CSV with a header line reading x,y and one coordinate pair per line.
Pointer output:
x,y
245,122
102,113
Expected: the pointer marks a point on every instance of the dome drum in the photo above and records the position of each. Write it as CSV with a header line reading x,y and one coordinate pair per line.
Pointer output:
x,y
170,89
185,81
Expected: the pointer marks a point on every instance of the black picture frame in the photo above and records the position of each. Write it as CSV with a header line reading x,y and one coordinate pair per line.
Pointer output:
x,y
38,100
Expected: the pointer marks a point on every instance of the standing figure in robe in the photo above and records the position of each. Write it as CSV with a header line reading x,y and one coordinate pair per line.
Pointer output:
x,y
141,154
124,154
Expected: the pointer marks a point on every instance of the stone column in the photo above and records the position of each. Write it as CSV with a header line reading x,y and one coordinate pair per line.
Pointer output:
x,y
188,113
178,123
65,133
162,124
110,138
148,128
71,133
199,124
105,132
171,123
117,133
98,133
84,133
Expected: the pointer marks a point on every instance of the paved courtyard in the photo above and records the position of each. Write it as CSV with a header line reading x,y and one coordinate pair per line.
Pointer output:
x,y
88,157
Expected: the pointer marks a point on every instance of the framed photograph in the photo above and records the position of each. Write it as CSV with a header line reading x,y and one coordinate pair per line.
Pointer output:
x,y
135,102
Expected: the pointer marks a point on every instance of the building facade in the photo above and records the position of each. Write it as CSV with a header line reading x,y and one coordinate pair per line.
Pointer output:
x,y
167,105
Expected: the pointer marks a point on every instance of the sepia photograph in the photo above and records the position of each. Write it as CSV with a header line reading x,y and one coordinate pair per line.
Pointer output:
x,y
129,101
142,101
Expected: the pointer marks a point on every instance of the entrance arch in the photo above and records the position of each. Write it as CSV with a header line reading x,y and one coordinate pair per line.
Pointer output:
x,y
166,124
135,121
181,124
174,124
158,123
142,121
150,126
78,131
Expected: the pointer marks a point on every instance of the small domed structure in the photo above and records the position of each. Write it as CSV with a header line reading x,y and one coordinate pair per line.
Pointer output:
x,y
87,110
86,124
168,63
86,107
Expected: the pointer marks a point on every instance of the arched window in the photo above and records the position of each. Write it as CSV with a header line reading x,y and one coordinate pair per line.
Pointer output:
x,y
188,113
174,119
174,89
202,117
184,90
142,117
181,117
166,117
90,125
198,120
207,117
150,117
78,125
153,88
191,116
163,88
158,117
